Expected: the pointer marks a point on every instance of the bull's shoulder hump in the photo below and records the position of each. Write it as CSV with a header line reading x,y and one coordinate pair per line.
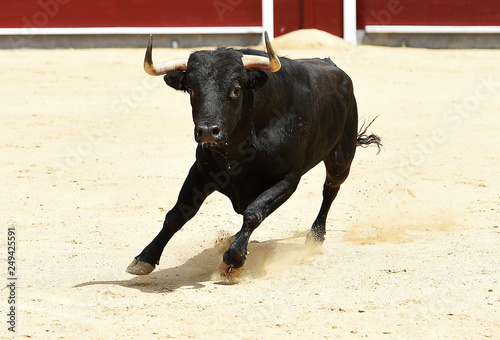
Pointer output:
x,y
252,51
317,61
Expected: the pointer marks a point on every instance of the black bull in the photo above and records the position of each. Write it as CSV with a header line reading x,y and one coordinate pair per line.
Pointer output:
x,y
259,128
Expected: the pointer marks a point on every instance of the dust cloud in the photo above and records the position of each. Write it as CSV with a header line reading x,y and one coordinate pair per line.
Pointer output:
x,y
403,217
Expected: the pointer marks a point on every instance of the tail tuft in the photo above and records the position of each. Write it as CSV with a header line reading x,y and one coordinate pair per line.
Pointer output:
x,y
365,140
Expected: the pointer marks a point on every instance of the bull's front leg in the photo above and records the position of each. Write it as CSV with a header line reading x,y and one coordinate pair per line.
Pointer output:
x,y
234,258
192,194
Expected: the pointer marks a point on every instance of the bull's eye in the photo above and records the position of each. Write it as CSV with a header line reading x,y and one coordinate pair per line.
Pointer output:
x,y
235,92
190,91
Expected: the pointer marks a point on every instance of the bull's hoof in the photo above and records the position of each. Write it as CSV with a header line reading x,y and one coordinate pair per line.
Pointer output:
x,y
314,240
140,268
228,272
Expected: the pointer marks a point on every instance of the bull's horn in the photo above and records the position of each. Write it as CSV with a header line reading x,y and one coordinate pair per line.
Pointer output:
x,y
162,68
254,62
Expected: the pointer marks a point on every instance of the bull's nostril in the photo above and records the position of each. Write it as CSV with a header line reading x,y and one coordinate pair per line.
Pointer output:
x,y
207,133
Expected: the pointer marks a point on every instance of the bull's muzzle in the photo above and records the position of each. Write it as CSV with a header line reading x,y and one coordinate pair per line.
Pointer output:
x,y
209,134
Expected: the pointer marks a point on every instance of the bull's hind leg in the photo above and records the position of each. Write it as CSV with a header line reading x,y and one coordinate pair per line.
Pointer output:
x,y
318,229
338,164
337,169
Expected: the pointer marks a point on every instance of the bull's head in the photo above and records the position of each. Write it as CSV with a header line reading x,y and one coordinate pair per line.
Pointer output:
x,y
218,82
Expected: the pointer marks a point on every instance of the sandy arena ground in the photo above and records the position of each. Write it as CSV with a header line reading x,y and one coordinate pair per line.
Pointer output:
x,y
94,152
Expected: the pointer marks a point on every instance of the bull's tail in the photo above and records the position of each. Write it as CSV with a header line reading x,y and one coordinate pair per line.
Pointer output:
x,y
365,140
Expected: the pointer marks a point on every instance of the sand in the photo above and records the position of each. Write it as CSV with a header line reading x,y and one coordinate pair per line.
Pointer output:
x,y
94,152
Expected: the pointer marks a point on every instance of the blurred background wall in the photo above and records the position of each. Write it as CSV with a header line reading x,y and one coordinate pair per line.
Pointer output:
x,y
191,23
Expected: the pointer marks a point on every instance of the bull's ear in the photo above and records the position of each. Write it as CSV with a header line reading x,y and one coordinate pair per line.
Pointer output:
x,y
175,79
256,79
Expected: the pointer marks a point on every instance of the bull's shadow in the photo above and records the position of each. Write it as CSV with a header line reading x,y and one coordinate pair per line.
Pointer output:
x,y
265,257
